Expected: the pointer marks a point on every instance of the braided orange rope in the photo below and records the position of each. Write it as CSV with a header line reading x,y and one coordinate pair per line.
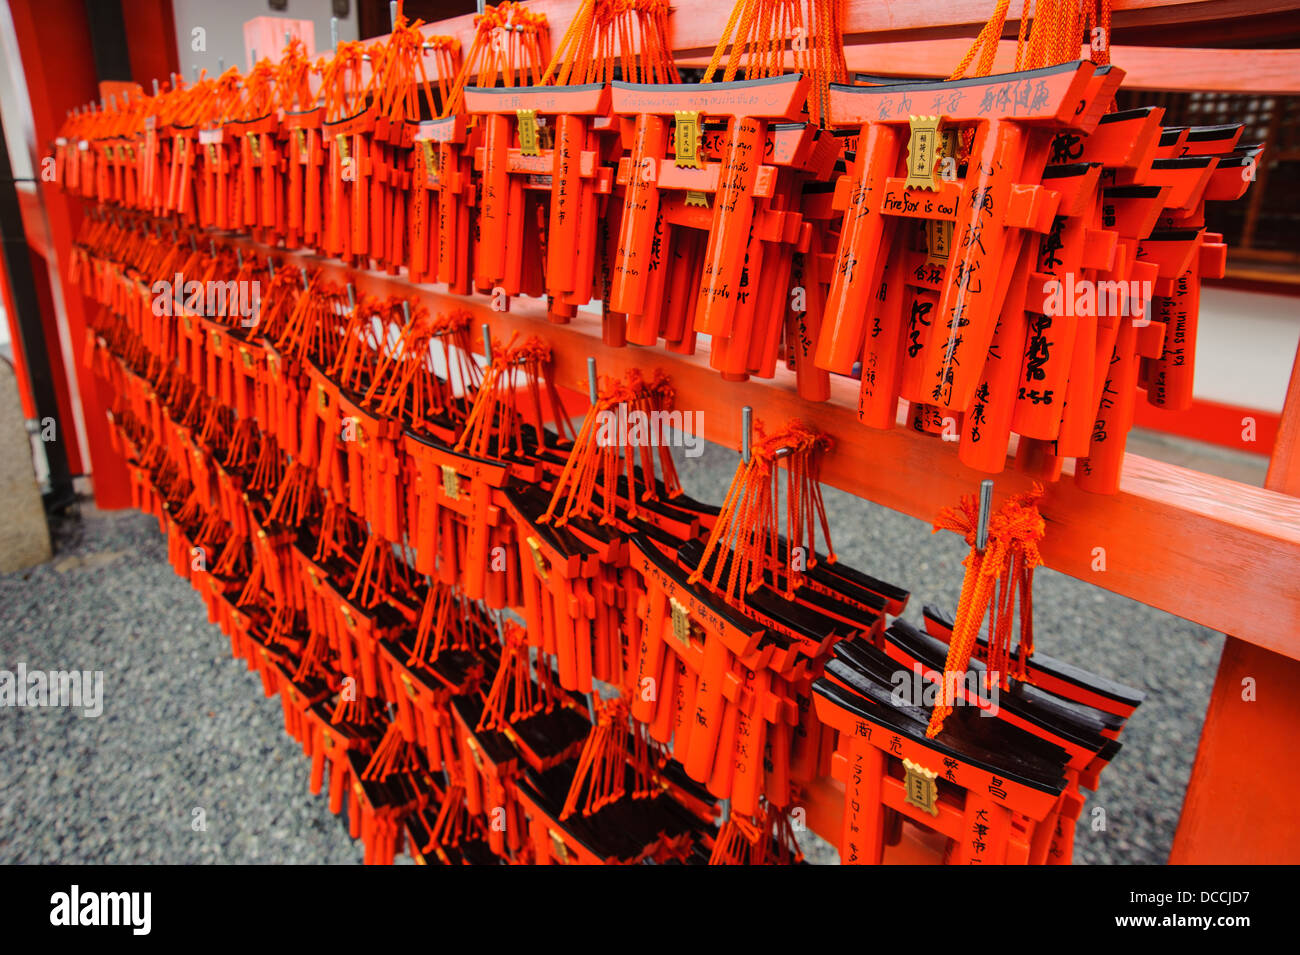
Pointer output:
x,y
507,47
1010,558
748,526
757,34
631,32
603,763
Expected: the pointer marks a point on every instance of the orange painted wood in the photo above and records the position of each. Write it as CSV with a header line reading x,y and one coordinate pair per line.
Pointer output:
x,y
1212,422
952,24
1240,801
1145,67
1201,547
823,803
1284,465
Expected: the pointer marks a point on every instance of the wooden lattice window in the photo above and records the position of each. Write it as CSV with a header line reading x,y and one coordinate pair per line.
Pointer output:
x,y
1263,228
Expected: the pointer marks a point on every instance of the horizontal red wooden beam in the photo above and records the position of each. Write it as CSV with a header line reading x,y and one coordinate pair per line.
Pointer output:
x,y
702,26
1145,67
931,38
1202,547
1228,426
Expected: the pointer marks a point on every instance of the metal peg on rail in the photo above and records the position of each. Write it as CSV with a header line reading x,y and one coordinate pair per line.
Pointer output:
x,y
746,433
352,299
982,521
155,86
591,381
334,33
406,311
487,343
392,15
253,51
270,266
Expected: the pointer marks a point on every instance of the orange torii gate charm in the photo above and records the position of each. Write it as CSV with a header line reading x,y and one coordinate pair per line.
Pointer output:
x,y
441,196
568,168
1014,117
736,182
992,789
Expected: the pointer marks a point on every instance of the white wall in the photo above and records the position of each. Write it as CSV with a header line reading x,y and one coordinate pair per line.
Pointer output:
x,y
223,24
1246,344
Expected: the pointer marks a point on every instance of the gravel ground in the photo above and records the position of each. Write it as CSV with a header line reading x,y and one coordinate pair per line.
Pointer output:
x,y
186,727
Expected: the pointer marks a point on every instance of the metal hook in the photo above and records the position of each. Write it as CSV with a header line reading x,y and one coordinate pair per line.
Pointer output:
x,y
334,32
306,282
591,381
352,298
406,311
982,522
746,433
392,15
487,343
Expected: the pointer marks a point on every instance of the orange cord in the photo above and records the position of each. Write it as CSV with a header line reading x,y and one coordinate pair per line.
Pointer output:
x,y
1007,562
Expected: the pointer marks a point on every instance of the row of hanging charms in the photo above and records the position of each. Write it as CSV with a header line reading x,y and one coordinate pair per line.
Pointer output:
x,y
342,353
322,460
989,248
741,630
1015,258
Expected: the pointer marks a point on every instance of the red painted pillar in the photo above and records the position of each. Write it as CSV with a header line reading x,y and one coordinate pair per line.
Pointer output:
x,y
1240,802
55,49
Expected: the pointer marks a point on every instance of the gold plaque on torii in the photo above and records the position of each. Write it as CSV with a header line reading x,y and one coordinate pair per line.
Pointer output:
x,y
686,139
528,144
924,149
919,787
